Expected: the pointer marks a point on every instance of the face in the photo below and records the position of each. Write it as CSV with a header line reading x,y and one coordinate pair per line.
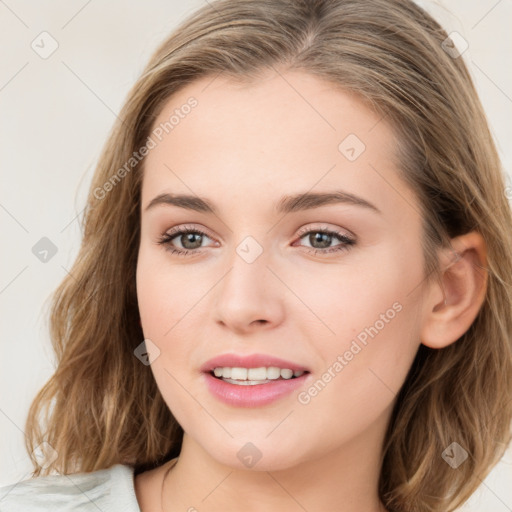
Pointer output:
x,y
244,275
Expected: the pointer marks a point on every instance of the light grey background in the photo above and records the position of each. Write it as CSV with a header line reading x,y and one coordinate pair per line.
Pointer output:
x,y
56,114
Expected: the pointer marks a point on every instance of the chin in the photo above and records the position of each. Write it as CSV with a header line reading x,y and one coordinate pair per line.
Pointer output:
x,y
259,455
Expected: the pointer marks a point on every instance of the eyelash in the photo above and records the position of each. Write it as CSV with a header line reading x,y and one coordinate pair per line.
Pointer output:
x,y
166,239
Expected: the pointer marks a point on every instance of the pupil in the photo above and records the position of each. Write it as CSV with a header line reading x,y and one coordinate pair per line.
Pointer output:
x,y
190,238
323,238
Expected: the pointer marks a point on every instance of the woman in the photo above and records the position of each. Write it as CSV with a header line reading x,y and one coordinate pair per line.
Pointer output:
x,y
341,341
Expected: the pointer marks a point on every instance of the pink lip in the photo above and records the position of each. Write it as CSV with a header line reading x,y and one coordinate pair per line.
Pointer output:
x,y
251,396
252,361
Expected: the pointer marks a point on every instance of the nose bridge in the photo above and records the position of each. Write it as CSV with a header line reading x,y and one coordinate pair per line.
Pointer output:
x,y
246,295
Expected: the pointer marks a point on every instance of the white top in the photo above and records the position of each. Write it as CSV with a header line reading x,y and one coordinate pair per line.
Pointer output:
x,y
105,490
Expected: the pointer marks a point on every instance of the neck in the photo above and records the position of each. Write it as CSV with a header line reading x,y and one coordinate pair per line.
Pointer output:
x,y
344,480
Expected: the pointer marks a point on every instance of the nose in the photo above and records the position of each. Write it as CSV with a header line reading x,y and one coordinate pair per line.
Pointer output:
x,y
249,297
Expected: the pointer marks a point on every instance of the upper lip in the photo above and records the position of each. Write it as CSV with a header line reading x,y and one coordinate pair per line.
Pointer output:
x,y
250,361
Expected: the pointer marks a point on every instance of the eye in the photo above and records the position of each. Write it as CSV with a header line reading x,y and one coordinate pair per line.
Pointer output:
x,y
188,239
320,240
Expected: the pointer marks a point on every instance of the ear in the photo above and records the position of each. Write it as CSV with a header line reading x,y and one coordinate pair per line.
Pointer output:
x,y
454,301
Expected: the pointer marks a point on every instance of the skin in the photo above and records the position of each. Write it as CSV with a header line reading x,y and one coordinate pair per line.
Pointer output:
x,y
244,147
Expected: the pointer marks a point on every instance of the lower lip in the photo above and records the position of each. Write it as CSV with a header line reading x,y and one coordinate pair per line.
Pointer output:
x,y
252,396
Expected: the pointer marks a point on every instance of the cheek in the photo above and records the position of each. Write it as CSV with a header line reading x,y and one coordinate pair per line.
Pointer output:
x,y
362,376
172,309
164,292
348,298
152,299
161,307
376,324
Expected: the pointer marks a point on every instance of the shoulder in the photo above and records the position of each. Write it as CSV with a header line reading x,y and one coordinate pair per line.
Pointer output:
x,y
108,490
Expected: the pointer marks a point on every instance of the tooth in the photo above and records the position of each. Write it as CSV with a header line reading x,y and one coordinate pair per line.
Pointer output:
x,y
273,373
286,373
257,373
238,373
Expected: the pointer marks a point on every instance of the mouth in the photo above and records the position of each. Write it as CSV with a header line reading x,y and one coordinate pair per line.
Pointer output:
x,y
254,380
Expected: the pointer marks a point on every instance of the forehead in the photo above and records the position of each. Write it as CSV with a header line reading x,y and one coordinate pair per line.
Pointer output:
x,y
282,133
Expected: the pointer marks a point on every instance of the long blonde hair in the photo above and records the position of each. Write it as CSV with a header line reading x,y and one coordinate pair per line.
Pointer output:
x,y
102,406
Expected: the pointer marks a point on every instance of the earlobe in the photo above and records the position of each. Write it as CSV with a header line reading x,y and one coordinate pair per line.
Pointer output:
x,y
456,299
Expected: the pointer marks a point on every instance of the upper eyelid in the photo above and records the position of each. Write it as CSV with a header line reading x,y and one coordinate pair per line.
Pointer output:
x,y
337,231
185,228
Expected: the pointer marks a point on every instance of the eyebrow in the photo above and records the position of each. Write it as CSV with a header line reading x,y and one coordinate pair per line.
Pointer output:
x,y
287,204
